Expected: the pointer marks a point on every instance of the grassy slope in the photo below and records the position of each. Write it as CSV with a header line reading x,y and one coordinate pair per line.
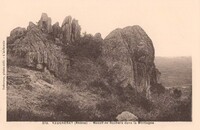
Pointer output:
x,y
34,95
38,94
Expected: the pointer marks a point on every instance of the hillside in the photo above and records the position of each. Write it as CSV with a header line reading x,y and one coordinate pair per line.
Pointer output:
x,y
37,96
56,74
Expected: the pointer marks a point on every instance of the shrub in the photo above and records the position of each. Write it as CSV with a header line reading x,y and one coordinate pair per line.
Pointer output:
x,y
171,109
87,46
23,115
157,88
99,87
66,108
108,109
177,93
15,61
131,95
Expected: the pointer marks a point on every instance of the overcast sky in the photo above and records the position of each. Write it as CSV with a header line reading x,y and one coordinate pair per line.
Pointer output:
x,y
173,25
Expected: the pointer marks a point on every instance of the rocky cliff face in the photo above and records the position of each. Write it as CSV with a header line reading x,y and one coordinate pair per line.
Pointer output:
x,y
130,52
37,51
40,46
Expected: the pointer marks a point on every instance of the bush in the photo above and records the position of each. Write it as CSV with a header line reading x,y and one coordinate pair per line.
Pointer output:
x,y
99,87
157,88
15,61
87,46
177,93
66,108
23,115
171,109
109,109
131,95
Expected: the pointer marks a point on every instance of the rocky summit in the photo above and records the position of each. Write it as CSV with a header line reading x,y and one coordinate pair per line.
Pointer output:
x,y
55,73
40,46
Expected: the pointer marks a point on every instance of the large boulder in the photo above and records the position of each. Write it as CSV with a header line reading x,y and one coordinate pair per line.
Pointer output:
x,y
126,116
129,52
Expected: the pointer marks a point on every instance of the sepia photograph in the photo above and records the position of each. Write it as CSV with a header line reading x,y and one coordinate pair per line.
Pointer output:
x,y
100,61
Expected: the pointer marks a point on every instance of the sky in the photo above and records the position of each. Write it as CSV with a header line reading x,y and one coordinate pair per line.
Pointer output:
x,y
172,25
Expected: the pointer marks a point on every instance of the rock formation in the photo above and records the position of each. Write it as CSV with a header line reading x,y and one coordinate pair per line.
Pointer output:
x,y
130,52
40,46
36,49
66,29
45,23
57,32
76,29
70,29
